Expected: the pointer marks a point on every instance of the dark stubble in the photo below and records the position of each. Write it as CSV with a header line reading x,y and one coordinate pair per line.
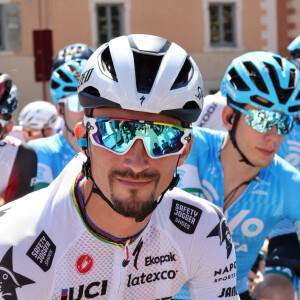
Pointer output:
x,y
131,207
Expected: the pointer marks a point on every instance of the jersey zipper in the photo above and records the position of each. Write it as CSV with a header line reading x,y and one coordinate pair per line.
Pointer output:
x,y
126,260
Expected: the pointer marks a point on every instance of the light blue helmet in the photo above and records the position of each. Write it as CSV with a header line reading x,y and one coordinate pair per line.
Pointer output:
x,y
263,74
294,48
64,79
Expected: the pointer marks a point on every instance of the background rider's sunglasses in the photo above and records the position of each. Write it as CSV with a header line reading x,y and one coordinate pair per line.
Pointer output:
x,y
71,103
118,135
264,120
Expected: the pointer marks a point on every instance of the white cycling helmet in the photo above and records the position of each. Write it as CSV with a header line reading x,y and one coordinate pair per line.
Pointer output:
x,y
143,73
38,115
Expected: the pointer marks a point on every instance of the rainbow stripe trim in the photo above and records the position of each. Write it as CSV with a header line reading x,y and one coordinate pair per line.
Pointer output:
x,y
92,228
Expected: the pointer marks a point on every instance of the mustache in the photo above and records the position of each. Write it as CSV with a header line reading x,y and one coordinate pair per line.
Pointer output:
x,y
130,174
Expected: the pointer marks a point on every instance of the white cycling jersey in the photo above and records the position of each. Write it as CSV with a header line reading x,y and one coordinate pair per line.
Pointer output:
x,y
211,115
48,250
18,165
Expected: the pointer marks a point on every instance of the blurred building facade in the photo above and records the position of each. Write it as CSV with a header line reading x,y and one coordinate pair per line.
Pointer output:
x,y
212,31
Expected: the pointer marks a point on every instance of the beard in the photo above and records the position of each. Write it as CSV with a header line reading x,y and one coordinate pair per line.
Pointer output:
x,y
131,206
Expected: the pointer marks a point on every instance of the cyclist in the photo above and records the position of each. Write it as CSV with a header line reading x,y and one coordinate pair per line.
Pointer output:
x,y
238,170
108,226
56,151
281,282
18,162
70,52
211,116
36,120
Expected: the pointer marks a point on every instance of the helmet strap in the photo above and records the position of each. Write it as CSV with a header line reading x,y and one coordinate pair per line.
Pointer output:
x,y
86,170
62,111
233,139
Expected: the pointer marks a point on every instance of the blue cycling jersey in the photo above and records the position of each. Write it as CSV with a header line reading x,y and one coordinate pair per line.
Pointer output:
x,y
53,153
290,147
267,200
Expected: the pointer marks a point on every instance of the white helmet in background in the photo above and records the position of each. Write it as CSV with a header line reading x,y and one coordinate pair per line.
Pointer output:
x,y
38,115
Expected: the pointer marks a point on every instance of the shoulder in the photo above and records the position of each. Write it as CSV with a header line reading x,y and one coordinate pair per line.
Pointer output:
x,y
47,144
187,212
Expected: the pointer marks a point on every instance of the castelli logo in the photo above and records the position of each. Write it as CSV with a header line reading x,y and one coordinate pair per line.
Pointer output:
x,y
84,264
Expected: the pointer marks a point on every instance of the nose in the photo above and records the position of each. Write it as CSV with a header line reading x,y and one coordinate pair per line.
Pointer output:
x,y
137,158
273,133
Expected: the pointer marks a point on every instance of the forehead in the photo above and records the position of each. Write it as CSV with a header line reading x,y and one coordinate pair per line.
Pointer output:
x,y
130,114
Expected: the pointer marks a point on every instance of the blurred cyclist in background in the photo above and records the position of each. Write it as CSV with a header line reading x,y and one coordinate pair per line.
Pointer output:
x,y
18,162
72,51
36,120
280,282
238,169
56,151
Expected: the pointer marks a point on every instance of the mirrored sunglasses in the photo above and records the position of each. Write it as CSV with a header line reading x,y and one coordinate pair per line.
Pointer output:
x,y
264,120
118,135
72,103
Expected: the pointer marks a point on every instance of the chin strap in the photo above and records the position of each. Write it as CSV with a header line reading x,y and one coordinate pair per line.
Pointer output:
x,y
86,170
234,142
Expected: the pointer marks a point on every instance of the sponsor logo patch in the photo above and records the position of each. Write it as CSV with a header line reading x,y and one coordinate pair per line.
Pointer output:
x,y
184,216
222,231
84,264
228,292
42,251
90,291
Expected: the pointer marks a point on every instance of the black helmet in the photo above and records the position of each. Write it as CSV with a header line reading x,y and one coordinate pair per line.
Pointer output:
x,y
73,51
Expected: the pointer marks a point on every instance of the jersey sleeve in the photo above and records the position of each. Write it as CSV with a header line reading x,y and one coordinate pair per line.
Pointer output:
x,y
21,180
214,258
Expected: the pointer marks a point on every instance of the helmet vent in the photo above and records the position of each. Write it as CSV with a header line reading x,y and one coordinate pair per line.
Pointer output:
x,y
92,91
293,79
266,104
279,60
294,109
54,84
70,89
184,75
256,77
191,105
237,81
146,68
107,65
63,76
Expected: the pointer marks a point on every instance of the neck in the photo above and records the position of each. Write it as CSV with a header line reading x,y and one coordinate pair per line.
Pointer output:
x,y
70,139
104,217
233,168
236,173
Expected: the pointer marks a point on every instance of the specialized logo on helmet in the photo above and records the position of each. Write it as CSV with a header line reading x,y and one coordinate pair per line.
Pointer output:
x,y
142,99
10,280
200,93
222,231
85,77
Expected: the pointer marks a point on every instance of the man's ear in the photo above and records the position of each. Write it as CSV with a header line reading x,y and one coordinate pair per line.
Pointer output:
x,y
60,109
185,153
227,117
80,134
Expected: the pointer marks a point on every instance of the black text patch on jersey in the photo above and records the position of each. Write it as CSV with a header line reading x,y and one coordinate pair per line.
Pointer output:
x,y
42,251
184,216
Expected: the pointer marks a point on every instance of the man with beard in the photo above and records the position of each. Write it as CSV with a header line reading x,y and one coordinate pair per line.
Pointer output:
x,y
112,225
